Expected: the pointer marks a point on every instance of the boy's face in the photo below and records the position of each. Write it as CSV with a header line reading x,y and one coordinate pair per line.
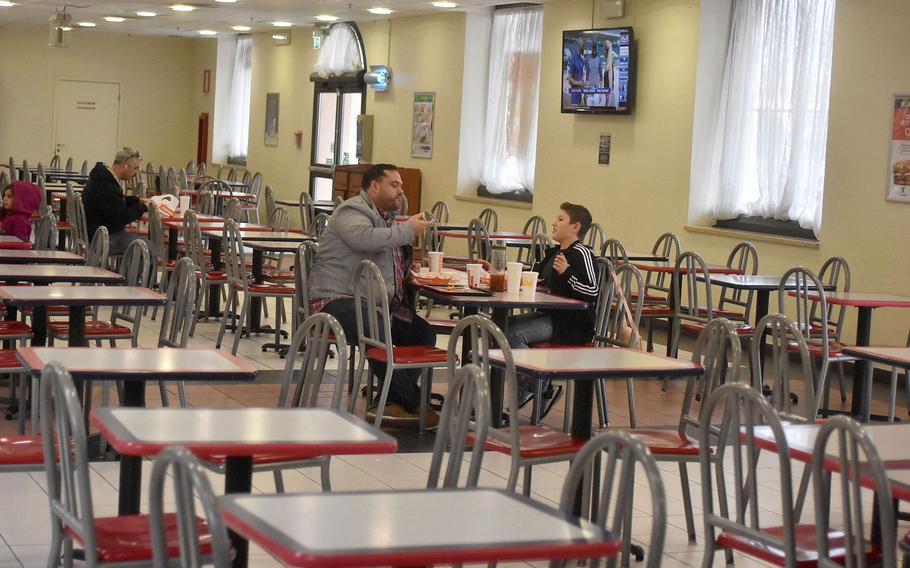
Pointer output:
x,y
8,199
564,228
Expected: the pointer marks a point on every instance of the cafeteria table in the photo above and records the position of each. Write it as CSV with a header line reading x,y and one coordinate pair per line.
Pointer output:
x,y
240,434
412,528
888,439
136,367
508,238
500,304
14,256
174,226
865,302
898,357
44,274
259,248
10,242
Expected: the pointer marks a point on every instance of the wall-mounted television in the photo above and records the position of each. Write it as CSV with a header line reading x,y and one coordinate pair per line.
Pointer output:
x,y
598,71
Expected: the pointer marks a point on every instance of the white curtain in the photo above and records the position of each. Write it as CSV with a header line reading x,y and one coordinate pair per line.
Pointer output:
x,y
339,54
510,132
239,103
764,154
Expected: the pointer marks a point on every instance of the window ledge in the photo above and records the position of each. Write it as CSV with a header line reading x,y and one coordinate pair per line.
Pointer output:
x,y
494,201
753,236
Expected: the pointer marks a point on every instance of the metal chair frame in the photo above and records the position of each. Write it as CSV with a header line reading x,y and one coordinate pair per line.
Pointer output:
x,y
490,219
745,258
535,225
46,233
479,245
307,211
594,238
195,250
178,317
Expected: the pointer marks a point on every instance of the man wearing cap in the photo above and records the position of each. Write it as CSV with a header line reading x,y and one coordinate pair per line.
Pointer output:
x,y
107,206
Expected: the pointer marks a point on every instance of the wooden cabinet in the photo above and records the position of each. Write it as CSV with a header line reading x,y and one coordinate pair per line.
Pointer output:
x,y
348,181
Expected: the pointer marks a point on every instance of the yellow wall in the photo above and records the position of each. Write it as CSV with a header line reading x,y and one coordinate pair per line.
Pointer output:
x,y
161,95
644,191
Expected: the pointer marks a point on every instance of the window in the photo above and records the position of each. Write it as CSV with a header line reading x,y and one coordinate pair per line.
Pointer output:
x,y
761,119
232,99
510,129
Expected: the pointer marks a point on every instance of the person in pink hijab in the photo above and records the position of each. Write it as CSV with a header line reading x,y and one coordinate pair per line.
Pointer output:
x,y
20,201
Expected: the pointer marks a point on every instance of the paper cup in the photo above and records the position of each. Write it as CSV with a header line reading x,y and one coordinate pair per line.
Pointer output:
x,y
435,262
424,270
184,203
513,277
475,271
528,283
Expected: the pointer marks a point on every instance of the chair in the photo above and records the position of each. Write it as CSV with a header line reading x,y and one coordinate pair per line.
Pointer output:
x,y
269,201
205,203
46,234
210,281
738,525
178,317
251,207
835,272
809,295
539,246
528,445
479,245
200,170
614,251
440,212
239,283
307,211
612,508
535,225
75,213
304,257
84,169
246,178
595,236
161,265
717,350
490,219
40,171
469,388
107,540
374,342
190,486
55,162
301,384
320,223
657,288
744,258
231,209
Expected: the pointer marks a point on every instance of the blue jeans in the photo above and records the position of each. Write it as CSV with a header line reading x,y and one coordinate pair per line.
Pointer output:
x,y
404,389
118,241
525,330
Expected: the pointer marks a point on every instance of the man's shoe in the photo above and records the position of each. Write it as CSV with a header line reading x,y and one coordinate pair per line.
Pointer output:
x,y
524,397
549,398
395,416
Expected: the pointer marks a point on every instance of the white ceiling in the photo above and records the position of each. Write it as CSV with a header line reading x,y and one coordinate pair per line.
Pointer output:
x,y
210,15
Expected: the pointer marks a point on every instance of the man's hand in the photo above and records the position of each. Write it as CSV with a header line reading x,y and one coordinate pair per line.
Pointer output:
x,y
420,223
145,200
560,264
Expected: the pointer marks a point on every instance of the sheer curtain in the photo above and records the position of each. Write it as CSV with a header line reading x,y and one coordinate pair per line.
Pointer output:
x,y
340,53
764,153
239,103
510,132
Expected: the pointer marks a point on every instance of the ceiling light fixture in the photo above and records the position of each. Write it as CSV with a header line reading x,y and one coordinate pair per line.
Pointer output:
x,y
87,24
379,11
226,1
146,14
282,24
208,32
241,28
326,18
6,4
66,29
445,4
114,19
182,8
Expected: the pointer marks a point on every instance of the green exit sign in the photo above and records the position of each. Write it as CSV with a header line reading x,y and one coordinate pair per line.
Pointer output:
x,y
317,40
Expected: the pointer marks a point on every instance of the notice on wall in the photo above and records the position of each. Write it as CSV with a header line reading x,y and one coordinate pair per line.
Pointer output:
x,y
422,125
603,149
899,151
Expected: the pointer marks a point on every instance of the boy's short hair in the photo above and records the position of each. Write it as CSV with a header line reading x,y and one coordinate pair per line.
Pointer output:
x,y
578,214
375,173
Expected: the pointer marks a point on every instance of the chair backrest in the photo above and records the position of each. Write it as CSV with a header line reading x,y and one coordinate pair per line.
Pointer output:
x,y
247,179
205,203
307,211
466,409
479,245
835,272
135,267
231,209
539,245
96,254
5,178
40,170
41,185
180,310
743,257
667,245
633,289
156,234
278,220
26,173
718,350
782,337
171,182
657,283
46,234
809,295
305,367
594,238
182,181
320,223
76,216
192,240
69,164
440,211
740,514
303,263
229,174
604,311
534,225
622,454
200,170
219,172
405,206
55,162
372,299
490,219
84,169
692,288
191,486
235,257
613,251
191,167
269,201
843,444
68,489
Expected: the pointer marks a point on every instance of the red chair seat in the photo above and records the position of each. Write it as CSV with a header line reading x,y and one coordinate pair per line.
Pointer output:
x,y
91,328
8,359
216,275
21,450
551,345
407,354
649,298
817,350
127,538
262,459
14,328
742,329
265,288
537,442
656,310
666,442
806,546
170,264
703,311
278,275
63,225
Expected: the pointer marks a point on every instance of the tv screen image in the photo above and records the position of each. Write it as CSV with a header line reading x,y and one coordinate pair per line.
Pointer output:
x,y
597,70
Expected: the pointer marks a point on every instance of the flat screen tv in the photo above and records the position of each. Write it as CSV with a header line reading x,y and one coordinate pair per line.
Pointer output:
x,y
598,71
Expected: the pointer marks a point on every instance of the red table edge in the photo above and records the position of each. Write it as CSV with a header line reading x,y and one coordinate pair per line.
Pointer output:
x,y
16,246
30,358
424,556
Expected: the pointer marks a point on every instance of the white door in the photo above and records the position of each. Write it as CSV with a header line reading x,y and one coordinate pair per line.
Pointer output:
x,y
87,116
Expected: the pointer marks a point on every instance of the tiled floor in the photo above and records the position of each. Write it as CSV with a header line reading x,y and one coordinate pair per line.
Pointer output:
x,y
25,536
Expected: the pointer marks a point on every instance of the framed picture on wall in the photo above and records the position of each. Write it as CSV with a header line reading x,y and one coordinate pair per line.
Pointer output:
x,y
422,125
899,151
271,119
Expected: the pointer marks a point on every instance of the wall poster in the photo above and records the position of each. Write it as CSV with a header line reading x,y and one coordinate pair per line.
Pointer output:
x,y
603,149
899,151
422,125
271,119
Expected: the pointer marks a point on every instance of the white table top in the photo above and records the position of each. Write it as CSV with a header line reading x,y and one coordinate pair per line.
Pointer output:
x,y
80,296
16,256
890,440
57,273
894,356
596,362
240,431
506,300
415,527
139,364
261,235
273,246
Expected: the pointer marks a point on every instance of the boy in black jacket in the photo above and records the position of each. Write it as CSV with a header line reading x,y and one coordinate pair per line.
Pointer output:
x,y
567,269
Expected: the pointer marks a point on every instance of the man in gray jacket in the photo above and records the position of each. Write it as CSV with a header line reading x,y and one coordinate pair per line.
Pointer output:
x,y
364,228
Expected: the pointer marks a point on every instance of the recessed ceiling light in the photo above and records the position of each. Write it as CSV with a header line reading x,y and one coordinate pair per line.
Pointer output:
x,y
87,24
241,28
445,4
282,24
182,8
115,19
280,37
6,4
66,29
379,11
207,32
326,18
227,1
146,14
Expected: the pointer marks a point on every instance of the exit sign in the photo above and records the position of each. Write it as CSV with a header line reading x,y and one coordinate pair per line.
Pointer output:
x,y
317,40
